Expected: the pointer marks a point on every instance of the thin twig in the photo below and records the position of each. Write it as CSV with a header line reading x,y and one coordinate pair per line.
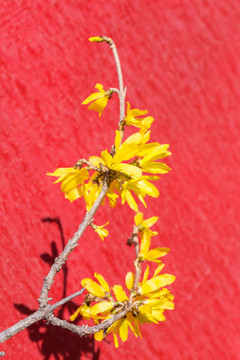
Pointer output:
x,y
72,243
137,264
57,265
65,300
80,163
122,90
86,330
36,316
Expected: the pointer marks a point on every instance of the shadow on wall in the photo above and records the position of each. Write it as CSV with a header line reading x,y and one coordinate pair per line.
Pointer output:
x,y
52,340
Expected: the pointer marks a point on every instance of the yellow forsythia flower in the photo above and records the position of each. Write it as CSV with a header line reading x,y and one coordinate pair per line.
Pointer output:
x,y
94,288
151,300
101,231
70,179
134,118
150,153
146,235
99,99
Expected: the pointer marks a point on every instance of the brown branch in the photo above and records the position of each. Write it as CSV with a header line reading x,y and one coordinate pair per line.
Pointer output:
x,y
71,245
36,316
44,308
86,330
122,90
137,264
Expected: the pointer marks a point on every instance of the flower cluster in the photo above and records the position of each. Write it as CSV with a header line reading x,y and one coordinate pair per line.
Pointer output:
x,y
145,303
130,166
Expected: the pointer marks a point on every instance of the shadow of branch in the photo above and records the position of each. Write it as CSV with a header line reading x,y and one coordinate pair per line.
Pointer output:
x,y
51,340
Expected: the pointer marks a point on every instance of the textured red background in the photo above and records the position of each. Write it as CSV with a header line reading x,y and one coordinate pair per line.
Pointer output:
x,y
180,61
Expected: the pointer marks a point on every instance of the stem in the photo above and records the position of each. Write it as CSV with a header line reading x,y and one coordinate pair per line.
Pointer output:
x,y
122,91
137,264
36,316
89,330
44,310
65,300
72,243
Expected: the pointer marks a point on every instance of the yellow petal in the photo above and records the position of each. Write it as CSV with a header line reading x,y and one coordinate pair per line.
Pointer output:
x,y
147,311
115,339
145,242
158,315
74,194
155,168
102,282
96,39
81,174
158,269
135,328
145,276
93,287
102,232
119,293
100,88
123,330
157,282
148,188
101,307
163,293
95,95
117,140
128,169
156,253
99,104
129,148
74,316
130,200
60,171
142,199
155,153
138,218
99,336
129,280
150,222
112,198
107,158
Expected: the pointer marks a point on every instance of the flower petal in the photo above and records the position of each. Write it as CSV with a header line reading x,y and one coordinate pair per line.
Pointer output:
x,y
99,336
119,293
101,307
99,104
150,222
128,169
156,253
117,140
129,280
145,276
138,218
93,287
155,168
107,158
157,282
123,330
102,282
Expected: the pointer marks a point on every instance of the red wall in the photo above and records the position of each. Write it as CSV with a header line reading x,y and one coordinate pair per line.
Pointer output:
x,y
180,61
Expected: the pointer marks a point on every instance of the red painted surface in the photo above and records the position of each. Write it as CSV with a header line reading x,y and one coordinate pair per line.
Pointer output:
x,y
181,62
